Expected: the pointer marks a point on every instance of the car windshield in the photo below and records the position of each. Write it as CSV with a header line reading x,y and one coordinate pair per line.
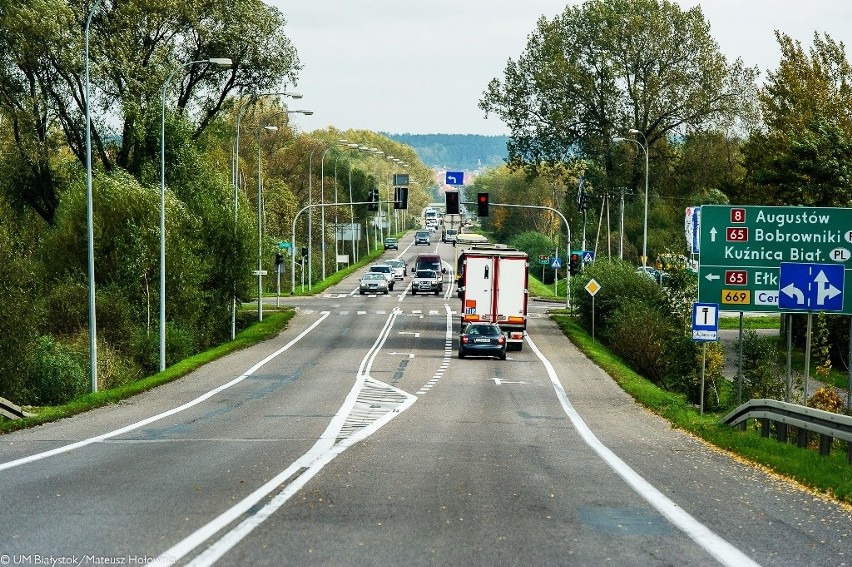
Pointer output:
x,y
396,263
373,276
384,269
482,330
426,274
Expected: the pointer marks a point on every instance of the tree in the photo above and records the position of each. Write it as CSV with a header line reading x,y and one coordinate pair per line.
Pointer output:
x,y
802,156
134,47
609,65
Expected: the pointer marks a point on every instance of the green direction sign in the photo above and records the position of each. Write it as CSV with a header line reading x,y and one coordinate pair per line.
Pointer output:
x,y
742,248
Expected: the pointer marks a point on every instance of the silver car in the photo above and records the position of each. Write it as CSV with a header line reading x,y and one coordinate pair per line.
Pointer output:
x,y
398,267
386,271
373,282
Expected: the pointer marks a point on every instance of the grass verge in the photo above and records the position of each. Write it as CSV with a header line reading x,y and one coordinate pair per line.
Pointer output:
x,y
272,324
830,476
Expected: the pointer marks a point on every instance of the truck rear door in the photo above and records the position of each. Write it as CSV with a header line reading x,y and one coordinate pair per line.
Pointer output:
x,y
511,296
479,279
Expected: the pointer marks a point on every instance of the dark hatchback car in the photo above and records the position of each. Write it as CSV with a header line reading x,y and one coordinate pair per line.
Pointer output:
x,y
482,339
391,244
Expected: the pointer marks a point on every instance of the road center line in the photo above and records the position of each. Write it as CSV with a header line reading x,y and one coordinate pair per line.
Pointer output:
x,y
312,462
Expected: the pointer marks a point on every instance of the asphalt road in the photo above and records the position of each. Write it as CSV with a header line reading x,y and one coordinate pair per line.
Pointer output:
x,y
357,437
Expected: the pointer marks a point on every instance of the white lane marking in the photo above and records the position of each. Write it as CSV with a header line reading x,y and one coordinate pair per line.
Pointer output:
x,y
717,547
159,416
323,452
448,353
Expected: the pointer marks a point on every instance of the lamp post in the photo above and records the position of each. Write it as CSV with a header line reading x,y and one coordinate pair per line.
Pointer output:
x,y
267,128
236,182
93,333
645,222
223,62
260,226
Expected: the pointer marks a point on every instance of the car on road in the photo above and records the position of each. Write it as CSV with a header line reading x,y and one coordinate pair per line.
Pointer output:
x,y
650,272
373,282
450,236
391,244
482,339
427,281
658,276
386,271
399,267
422,237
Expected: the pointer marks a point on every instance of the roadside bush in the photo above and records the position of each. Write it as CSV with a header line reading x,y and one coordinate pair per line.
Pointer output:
x,y
761,373
21,315
620,286
717,390
67,301
637,335
827,399
58,375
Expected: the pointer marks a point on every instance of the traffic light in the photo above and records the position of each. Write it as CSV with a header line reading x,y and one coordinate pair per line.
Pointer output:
x,y
279,258
400,197
452,202
304,252
575,264
482,205
374,200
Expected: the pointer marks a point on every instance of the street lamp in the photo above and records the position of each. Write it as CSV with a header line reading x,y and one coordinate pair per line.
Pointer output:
x,y
93,333
260,226
222,62
236,176
267,128
645,224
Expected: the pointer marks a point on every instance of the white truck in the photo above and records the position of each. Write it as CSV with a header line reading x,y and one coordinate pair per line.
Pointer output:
x,y
493,288
452,228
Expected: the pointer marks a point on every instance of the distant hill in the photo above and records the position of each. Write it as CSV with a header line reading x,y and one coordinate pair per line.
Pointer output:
x,y
465,152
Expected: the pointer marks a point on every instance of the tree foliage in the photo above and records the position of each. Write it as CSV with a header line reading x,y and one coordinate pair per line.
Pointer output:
x,y
608,65
134,48
803,155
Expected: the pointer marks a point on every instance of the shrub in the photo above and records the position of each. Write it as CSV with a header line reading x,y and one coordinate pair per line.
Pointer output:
x,y
827,399
58,375
637,335
620,286
761,374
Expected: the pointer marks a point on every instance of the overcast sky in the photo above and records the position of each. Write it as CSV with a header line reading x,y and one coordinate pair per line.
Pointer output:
x,y
421,66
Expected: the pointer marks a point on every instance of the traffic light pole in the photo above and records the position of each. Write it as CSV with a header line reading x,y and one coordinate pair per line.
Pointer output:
x,y
567,242
293,236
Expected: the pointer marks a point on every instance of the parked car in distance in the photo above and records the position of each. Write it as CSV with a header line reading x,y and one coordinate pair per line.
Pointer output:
x,y
422,237
391,244
482,339
398,267
427,281
650,272
386,271
373,282
661,278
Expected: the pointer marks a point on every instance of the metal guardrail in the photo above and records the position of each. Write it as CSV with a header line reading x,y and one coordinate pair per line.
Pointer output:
x,y
10,410
828,425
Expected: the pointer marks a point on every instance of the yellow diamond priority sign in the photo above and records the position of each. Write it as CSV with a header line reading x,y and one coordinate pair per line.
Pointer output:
x,y
593,287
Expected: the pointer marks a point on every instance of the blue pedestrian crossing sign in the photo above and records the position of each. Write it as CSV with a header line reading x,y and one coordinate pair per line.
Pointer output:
x,y
810,287
705,322
556,263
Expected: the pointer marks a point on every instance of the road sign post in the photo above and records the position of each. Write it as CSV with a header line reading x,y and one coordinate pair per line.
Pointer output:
x,y
743,247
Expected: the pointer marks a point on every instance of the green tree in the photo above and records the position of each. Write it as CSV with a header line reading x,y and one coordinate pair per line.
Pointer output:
x,y
608,65
803,154
134,47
